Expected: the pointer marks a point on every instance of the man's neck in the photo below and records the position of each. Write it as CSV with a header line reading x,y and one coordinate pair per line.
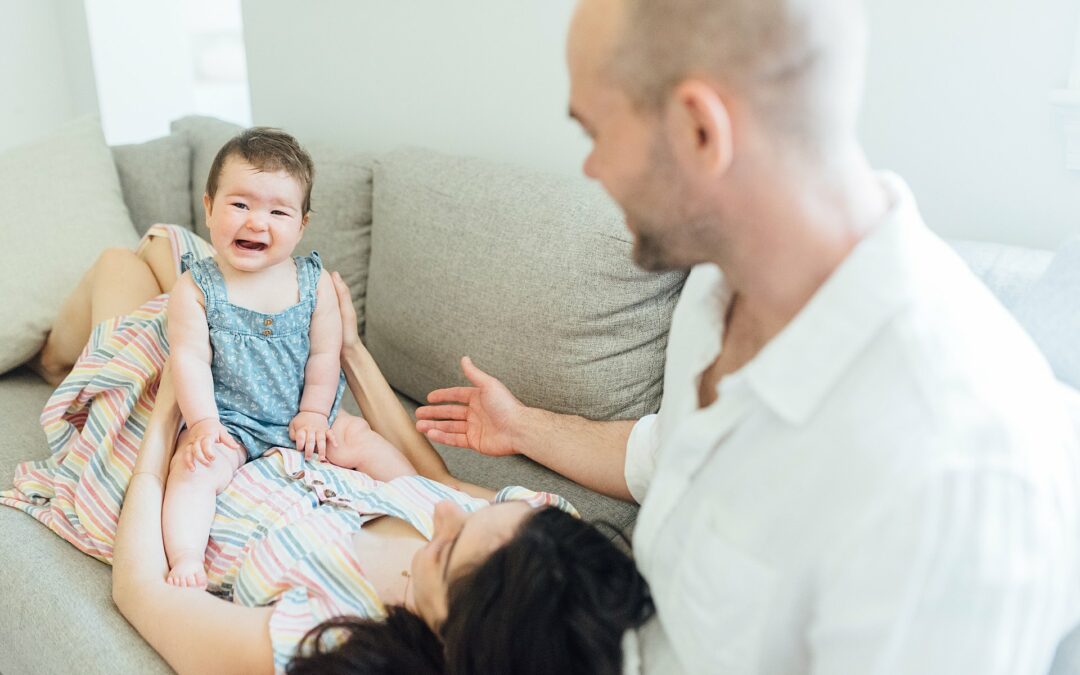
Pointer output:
x,y
805,224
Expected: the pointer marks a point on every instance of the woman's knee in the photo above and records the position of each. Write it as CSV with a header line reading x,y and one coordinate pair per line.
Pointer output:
x,y
157,254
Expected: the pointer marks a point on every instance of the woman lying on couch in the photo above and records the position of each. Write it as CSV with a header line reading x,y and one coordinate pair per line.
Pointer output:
x,y
322,569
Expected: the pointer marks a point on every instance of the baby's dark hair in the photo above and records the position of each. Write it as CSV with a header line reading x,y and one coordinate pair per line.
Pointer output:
x,y
556,598
266,149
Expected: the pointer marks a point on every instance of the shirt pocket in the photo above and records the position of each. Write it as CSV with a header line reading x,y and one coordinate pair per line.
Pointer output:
x,y
723,595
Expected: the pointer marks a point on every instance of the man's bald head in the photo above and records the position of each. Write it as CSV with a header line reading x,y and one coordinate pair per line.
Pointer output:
x,y
798,63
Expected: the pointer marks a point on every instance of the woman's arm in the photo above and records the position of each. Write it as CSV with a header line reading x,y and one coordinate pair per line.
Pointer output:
x,y
381,407
193,631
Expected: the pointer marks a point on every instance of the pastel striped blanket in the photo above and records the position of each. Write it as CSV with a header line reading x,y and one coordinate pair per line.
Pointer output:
x,y
94,422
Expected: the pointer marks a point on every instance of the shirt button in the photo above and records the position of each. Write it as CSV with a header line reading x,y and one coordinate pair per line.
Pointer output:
x,y
268,322
268,332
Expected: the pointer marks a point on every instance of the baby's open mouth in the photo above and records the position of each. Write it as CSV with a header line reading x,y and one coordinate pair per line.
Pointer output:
x,y
249,245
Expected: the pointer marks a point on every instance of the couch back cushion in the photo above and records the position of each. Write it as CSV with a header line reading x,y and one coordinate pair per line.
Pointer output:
x,y
1008,271
529,274
156,179
340,224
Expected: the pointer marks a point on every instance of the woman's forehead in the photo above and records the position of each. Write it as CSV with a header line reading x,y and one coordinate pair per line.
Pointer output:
x,y
488,528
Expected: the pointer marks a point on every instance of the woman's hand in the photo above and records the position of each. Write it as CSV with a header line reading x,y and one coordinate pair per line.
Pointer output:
x,y
200,441
350,338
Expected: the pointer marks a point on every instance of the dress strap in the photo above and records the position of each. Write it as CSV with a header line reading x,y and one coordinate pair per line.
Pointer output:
x,y
308,271
207,276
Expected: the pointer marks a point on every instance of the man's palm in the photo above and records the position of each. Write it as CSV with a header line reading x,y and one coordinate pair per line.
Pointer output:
x,y
479,417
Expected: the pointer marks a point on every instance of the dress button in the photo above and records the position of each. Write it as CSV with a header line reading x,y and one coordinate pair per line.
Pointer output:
x,y
268,322
268,332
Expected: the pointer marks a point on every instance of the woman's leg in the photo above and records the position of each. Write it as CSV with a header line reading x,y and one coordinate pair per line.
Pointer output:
x,y
119,282
188,510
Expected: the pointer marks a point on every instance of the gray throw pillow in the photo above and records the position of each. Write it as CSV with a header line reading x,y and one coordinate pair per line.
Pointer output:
x,y
62,207
340,224
156,179
527,273
1050,312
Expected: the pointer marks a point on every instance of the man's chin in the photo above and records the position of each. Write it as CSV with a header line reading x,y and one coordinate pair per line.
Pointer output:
x,y
650,257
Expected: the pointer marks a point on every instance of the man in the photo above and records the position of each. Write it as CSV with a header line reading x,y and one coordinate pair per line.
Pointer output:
x,y
860,464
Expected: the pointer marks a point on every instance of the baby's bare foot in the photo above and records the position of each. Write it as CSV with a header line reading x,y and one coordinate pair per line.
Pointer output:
x,y
188,572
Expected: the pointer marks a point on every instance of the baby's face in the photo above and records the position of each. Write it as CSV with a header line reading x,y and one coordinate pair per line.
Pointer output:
x,y
256,218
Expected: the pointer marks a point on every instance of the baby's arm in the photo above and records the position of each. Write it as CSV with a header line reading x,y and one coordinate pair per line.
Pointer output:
x,y
321,374
190,355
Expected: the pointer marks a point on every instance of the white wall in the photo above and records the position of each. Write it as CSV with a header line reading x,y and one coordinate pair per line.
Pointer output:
x,y
45,73
958,102
957,98
478,77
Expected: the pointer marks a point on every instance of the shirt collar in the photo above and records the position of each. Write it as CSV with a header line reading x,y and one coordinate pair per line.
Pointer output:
x,y
794,372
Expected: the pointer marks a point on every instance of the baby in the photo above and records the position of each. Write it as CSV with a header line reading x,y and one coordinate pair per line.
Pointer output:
x,y
255,339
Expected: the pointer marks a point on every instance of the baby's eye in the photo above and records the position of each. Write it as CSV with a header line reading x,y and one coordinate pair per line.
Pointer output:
x,y
240,205
279,213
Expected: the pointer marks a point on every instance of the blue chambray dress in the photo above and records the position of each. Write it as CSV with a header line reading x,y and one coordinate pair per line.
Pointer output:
x,y
259,359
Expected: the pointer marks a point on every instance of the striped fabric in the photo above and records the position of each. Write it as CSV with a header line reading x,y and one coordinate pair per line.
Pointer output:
x,y
283,535
282,531
78,490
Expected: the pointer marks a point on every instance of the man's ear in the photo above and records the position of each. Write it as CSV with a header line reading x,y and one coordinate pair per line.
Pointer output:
x,y
702,126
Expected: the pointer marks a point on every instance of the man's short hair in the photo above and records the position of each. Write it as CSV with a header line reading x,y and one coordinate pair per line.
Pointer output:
x,y
270,150
786,57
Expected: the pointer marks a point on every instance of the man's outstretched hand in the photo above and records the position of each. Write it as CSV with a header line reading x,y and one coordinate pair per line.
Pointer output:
x,y
480,417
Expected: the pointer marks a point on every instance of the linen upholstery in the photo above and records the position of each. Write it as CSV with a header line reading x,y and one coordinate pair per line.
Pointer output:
x,y
62,207
1007,270
340,224
56,599
156,179
1050,312
529,274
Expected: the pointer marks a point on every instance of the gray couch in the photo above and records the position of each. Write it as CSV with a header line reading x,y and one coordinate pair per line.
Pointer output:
x,y
528,274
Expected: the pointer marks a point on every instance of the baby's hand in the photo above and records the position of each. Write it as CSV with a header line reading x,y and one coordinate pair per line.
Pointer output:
x,y
202,437
311,432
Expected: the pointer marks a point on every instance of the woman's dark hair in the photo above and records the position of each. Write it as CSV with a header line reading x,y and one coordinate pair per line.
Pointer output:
x,y
556,598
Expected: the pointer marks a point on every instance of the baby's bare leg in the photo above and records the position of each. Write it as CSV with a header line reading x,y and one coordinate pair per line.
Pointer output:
x,y
117,283
360,448
188,511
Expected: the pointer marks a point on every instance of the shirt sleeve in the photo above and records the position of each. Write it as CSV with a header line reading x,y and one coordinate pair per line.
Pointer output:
x,y
970,571
641,449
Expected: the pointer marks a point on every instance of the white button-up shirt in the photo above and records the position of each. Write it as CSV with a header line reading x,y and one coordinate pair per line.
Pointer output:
x,y
889,486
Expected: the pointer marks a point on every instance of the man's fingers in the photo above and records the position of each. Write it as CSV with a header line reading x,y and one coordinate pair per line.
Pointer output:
x,y
442,412
456,440
475,375
448,426
451,395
